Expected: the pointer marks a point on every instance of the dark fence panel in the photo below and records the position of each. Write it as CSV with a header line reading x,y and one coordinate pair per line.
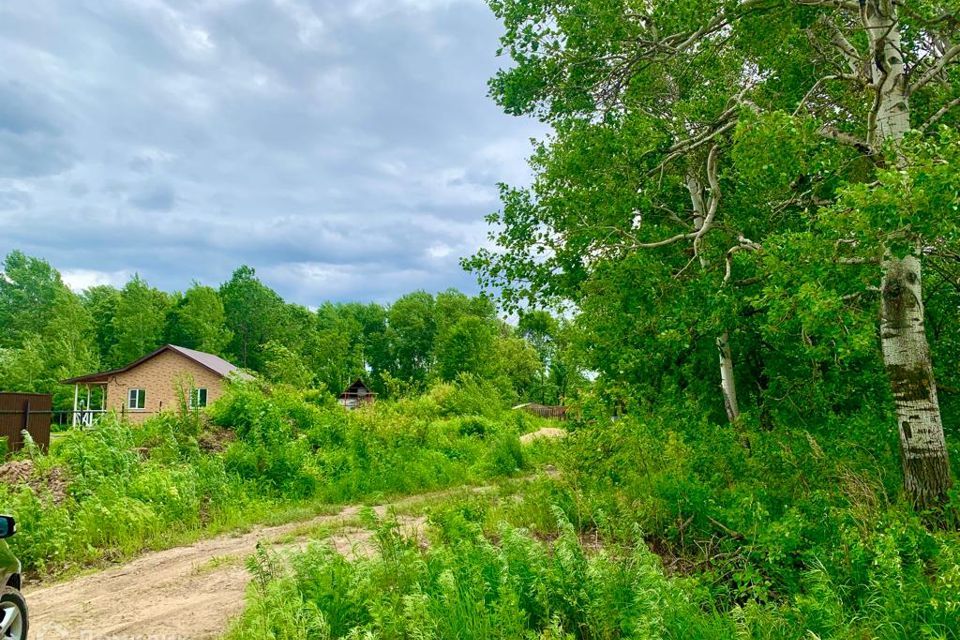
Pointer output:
x,y
544,411
25,411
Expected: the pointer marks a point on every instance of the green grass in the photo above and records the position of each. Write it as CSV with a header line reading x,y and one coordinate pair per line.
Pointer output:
x,y
134,488
648,531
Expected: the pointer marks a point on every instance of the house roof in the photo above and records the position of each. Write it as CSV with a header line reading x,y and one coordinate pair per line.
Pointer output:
x,y
213,363
356,387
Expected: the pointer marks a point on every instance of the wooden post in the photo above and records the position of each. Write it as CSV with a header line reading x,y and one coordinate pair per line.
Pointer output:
x,y
76,400
26,421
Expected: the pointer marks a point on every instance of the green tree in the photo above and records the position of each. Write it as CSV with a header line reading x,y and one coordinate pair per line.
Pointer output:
x,y
253,312
198,321
48,335
411,332
467,347
102,301
29,291
337,351
516,362
139,322
686,196
283,365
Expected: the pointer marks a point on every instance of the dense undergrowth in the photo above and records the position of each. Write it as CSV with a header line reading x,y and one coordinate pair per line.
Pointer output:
x,y
650,531
268,456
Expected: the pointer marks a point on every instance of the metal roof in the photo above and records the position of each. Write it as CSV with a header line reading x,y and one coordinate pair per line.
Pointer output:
x,y
216,364
356,387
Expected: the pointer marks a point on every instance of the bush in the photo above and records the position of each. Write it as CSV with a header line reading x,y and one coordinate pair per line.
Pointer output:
x,y
135,486
473,589
663,528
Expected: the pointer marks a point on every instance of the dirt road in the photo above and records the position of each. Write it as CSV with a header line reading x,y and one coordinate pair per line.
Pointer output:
x,y
182,593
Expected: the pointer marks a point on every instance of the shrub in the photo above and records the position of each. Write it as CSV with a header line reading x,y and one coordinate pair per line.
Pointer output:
x,y
133,486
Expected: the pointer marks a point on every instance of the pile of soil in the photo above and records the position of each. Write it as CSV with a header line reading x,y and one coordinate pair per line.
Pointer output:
x,y
215,439
18,473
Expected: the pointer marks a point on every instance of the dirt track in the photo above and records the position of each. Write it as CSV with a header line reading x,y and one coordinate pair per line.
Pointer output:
x,y
182,593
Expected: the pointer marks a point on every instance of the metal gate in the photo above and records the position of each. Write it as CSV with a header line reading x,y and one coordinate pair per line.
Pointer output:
x,y
28,412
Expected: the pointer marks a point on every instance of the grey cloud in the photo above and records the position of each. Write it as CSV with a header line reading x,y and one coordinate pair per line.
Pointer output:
x,y
154,197
326,143
32,155
31,141
20,112
14,199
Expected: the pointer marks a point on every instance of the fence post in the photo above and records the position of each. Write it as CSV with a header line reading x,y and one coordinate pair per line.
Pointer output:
x,y
26,422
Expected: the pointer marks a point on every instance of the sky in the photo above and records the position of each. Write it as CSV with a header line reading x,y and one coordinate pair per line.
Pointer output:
x,y
346,149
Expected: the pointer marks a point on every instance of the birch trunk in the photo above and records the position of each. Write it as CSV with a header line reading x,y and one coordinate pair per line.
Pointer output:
x,y
906,355
728,385
889,117
727,382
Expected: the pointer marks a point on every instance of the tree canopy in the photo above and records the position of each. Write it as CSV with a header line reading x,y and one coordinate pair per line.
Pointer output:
x,y
760,179
50,333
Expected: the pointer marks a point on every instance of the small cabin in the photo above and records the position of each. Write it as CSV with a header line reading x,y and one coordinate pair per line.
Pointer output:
x,y
356,395
152,384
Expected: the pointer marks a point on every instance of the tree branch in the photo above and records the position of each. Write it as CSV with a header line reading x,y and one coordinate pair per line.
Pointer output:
x,y
816,85
830,131
937,67
850,54
745,245
942,111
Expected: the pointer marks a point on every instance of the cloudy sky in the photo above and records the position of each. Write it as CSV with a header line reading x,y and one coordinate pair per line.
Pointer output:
x,y
344,148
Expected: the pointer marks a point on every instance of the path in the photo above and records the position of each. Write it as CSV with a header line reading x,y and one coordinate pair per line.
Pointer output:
x,y
184,593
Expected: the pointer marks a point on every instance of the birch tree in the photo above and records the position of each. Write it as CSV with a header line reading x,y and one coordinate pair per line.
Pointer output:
x,y
686,82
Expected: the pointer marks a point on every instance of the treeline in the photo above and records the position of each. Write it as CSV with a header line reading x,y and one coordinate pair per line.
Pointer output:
x,y
741,230
48,333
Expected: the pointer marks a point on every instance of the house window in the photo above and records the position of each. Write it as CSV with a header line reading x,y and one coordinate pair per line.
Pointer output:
x,y
137,399
198,398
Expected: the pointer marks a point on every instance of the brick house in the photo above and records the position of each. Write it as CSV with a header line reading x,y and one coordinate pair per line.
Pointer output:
x,y
152,384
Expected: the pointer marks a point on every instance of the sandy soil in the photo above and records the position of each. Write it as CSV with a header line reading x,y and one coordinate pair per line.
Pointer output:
x,y
182,593
547,433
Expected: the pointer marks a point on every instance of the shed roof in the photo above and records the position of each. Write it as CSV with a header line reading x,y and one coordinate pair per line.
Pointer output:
x,y
208,361
356,387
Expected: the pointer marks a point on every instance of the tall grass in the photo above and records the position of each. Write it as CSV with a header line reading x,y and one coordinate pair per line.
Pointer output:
x,y
132,487
649,531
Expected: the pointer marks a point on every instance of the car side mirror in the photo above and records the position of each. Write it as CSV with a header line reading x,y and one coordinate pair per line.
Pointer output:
x,y
8,526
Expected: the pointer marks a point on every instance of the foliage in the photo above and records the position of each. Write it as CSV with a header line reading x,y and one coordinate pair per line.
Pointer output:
x,y
138,322
50,333
117,489
45,330
666,528
198,321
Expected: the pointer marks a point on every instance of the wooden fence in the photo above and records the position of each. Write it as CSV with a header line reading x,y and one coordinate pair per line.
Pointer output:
x,y
543,410
25,411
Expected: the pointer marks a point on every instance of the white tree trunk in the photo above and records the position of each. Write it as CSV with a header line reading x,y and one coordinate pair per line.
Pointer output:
x,y
890,115
906,355
695,187
727,382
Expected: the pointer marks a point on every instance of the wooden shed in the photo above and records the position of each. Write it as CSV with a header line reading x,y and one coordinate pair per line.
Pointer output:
x,y
357,395
28,412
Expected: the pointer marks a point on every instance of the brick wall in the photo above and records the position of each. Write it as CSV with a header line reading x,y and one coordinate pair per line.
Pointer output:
x,y
160,377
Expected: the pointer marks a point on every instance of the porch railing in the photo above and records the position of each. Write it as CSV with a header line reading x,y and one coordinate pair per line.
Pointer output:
x,y
86,417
